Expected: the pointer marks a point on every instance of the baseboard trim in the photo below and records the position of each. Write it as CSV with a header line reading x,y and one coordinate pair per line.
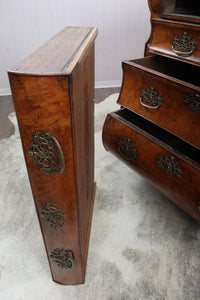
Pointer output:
x,y
5,92
107,84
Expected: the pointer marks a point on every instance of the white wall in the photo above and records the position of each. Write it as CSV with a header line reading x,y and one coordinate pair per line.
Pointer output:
x,y
123,25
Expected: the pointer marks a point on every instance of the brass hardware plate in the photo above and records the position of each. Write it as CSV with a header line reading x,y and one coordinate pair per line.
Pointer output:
x,y
193,102
46,151
63,258
52,216
169,166
126,149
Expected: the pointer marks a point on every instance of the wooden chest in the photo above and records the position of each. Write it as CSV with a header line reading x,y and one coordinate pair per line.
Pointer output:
x,y
53,92
156,131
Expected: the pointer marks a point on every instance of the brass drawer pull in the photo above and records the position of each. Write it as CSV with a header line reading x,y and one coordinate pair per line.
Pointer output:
x,y
44,148
193,102
150,95
183,45
126,149
169,166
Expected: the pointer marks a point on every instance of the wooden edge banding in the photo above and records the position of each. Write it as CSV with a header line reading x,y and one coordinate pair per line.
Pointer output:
x,y
89,231
83,49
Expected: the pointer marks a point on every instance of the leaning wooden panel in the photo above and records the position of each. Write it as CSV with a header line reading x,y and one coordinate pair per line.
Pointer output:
x,y
53,97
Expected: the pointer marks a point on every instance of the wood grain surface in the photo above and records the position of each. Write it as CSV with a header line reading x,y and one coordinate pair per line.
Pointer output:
x,y
173,81
184,191
59,100
168,127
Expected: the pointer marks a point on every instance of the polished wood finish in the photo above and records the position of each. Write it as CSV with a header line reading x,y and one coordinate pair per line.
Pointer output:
x,y
149,146
165,31
165,26
159,73
181,10
160,108
53,91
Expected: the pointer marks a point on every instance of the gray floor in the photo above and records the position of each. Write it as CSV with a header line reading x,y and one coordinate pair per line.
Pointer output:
x,y
6,107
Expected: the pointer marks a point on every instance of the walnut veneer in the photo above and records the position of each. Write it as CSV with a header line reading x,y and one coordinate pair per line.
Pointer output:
x,y
53,93
156,131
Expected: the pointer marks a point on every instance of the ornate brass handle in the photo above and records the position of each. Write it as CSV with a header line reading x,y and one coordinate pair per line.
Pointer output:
x,y
61,156
183,45
193,102
181,53
126,149
44,148
150,95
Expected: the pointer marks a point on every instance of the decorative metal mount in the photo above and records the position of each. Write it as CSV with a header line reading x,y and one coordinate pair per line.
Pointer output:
x,y
126,149
169,166
52,216
44,149
63,258
151,96
193,102
183,45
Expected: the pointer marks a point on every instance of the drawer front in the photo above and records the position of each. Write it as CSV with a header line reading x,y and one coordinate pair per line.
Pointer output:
x,y
166,103
176,39
168,172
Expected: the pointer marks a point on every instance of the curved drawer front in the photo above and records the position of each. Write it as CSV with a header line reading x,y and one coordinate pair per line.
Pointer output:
x,y
167,170
162,100
176,39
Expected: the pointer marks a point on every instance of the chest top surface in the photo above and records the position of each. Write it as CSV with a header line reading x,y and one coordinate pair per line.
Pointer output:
x,y
60,54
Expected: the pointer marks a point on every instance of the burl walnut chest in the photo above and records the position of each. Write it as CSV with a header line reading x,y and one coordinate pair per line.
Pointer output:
x,y
53,93
157,130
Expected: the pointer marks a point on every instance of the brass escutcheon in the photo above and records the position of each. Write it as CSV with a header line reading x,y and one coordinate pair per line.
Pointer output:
x,y
168,165
126,149
52,216
63,258
193,102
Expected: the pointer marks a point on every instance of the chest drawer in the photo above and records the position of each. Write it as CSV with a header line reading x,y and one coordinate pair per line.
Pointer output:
x,y
179,40
166,92
148,149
